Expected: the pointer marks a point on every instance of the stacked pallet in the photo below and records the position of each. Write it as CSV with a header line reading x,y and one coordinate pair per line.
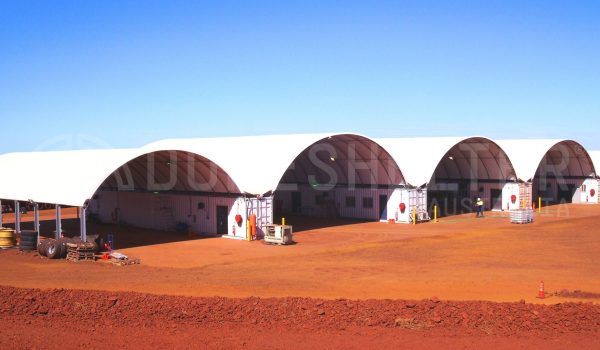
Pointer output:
x,y
125,262
80,251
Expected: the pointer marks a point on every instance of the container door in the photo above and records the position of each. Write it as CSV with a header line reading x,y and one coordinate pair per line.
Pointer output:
x,y
222,213
496,199
383,199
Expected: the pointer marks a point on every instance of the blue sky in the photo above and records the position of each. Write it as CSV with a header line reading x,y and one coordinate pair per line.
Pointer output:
x,y
86,74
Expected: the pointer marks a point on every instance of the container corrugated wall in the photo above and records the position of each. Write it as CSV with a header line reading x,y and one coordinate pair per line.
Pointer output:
x,y
490,192
366,203
334,202
160,211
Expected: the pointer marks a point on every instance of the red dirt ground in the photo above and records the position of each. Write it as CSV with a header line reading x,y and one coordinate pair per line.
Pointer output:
x,y
459,259
93,319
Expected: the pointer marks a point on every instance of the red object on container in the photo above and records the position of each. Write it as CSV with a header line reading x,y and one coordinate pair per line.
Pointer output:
x,y
513,198
253,224
238,219
592,192
402,207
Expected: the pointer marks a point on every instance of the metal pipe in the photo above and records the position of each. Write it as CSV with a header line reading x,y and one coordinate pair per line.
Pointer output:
x,y
58,223
82,223
17,217
36,220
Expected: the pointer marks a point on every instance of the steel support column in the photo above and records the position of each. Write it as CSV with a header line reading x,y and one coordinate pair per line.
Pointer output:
x,y
1,212
58,223
17,217
36,220
82,223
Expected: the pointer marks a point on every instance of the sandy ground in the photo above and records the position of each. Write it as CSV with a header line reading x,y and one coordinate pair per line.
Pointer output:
x,y
460,258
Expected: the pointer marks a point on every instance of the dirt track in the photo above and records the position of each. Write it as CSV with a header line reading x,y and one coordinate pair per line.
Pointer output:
x,y
460,258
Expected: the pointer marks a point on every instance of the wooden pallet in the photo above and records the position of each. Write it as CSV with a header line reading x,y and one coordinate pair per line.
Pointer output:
x,y
80,251
130,261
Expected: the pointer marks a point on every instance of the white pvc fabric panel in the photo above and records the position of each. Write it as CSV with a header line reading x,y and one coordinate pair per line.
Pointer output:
x,y
595,156
344,160
62,177
533,158
256,165
448,157
475,158
171,171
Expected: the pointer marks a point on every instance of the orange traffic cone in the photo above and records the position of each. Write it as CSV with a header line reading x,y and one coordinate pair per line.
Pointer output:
x,y
541,292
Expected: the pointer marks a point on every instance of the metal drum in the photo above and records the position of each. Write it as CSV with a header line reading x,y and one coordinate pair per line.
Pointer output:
x,y
7,237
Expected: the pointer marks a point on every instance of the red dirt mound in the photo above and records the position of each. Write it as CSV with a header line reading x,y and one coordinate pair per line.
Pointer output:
x,y
30,317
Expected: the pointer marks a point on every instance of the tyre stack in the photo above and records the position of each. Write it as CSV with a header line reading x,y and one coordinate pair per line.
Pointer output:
x,y
55,248
28,240
7,238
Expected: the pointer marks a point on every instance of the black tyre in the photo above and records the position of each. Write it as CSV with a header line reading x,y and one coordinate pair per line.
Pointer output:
x,y
42,246
99,245
27,247
28,241
28,234
53,250
63,246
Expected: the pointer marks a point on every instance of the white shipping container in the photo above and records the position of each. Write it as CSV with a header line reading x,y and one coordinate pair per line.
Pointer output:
x,y
515,196
404,201
579,190
587,193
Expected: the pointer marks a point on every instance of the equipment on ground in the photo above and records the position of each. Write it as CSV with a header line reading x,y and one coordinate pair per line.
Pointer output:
x,y
80,251
29,240
278,234
521,216
7,237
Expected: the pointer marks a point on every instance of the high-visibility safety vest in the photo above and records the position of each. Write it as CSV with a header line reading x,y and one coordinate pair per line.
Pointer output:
x,y
480,203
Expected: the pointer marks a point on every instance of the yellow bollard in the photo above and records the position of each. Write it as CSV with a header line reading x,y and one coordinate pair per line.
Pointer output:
x,y
414,215
435,214
283,221
248,231
540,204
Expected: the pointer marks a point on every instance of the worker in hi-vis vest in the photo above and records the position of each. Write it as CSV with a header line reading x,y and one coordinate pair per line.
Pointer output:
x,y
479,205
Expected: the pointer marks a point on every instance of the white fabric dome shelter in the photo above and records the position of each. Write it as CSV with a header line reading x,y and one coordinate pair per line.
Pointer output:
x,y
455,170
342,175
556,168
206,182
